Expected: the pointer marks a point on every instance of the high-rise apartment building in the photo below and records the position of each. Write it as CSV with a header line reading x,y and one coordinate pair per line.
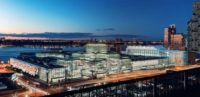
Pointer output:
x,y
167,34
194,29
173,40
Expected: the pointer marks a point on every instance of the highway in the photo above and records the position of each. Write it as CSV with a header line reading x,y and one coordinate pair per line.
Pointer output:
x,y
123,77
3,69
33,90
135,75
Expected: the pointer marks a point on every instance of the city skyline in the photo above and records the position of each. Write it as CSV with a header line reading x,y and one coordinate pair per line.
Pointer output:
x,y
99,48
106,16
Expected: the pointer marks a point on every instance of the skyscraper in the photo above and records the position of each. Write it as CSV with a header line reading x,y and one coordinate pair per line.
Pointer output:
x,y
173,40
167,34
194,29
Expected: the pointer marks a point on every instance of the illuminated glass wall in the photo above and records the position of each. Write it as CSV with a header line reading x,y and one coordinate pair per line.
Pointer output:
x,y
149,51
49,75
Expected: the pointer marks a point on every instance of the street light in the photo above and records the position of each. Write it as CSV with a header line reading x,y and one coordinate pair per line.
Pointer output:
x,y
163,65
26,95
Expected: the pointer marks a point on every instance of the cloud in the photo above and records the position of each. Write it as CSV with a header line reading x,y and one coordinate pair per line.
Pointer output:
x,y
109,29
106,29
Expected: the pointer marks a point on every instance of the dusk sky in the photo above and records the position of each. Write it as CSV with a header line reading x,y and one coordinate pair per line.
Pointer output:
x,y
137,17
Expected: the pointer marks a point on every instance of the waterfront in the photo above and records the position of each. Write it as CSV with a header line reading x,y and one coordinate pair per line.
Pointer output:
x,y
99,48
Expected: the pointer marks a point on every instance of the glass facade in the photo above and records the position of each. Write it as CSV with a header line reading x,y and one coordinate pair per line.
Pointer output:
x,y
47,75
149,51
57,55
97,62
150,64
96,48
56,75
168,85
174,57
100,67
25,66
178,57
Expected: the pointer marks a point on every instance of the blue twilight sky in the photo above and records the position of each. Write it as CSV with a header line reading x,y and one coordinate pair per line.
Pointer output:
x,y
137,17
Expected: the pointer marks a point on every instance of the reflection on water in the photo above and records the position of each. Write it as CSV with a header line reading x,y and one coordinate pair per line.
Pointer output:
x,y
12,51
